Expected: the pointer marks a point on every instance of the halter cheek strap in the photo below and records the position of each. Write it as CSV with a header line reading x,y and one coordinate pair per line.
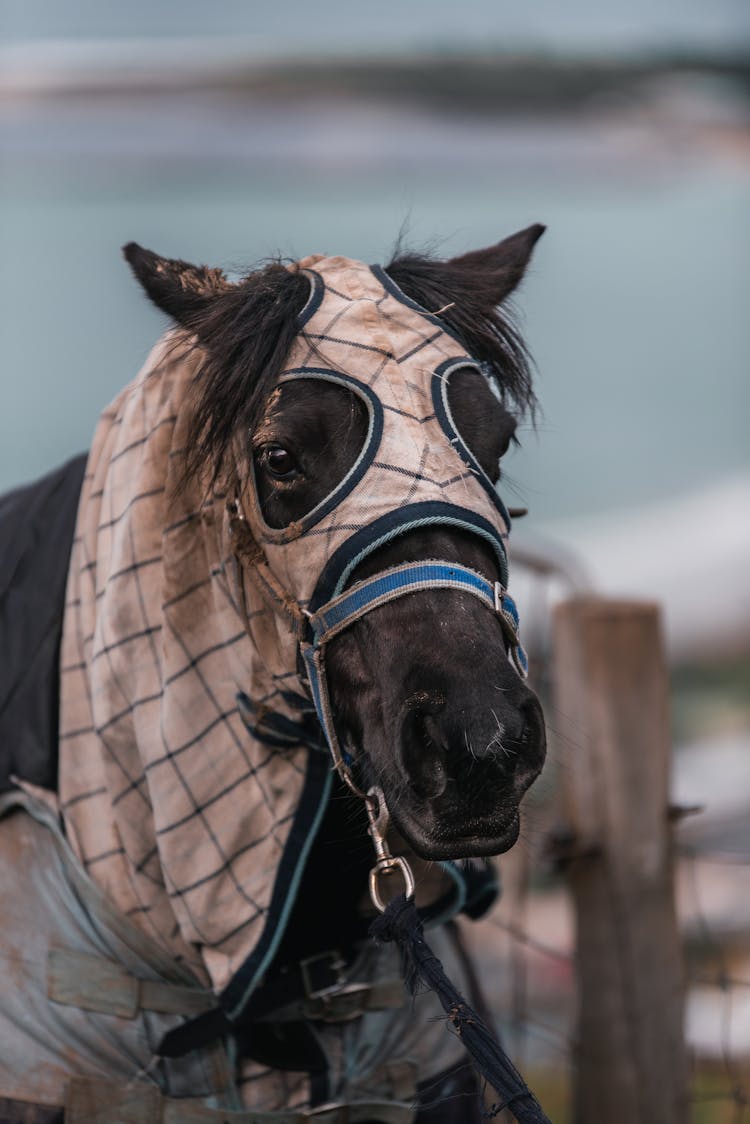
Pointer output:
x,y
411,577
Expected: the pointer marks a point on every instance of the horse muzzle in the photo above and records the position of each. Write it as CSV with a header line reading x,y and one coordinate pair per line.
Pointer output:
x,y
461,777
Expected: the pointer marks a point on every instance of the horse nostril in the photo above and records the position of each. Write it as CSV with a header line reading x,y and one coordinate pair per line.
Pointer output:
x,y
531,744
423,755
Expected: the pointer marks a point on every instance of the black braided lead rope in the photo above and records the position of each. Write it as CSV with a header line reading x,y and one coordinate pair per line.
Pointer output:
x,y
400,922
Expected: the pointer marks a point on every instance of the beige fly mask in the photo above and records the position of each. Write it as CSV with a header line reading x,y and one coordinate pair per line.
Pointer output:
x,y
186,614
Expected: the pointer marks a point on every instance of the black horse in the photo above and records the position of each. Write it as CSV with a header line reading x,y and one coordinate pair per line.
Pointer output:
x,y
350,421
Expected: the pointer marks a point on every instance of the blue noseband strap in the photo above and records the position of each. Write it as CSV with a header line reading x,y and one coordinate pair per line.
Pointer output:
x,y
348,607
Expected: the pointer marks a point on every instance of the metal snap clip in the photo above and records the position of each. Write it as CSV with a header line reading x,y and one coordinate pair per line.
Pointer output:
x,y
385,863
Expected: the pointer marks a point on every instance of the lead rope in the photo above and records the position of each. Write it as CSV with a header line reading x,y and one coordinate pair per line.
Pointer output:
x,y
399,921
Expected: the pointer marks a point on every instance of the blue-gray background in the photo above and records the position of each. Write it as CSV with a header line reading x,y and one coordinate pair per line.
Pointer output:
x,y
115,125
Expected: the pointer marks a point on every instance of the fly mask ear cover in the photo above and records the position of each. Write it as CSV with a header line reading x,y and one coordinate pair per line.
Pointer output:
x,y
361,332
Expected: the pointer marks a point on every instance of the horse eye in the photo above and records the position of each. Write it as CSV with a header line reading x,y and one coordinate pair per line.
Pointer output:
x,y
279,462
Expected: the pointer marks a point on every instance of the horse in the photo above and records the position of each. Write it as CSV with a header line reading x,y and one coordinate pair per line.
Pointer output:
x,y
287,636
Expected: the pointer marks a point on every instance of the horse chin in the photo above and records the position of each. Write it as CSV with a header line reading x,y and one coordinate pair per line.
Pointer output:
x,y
439,837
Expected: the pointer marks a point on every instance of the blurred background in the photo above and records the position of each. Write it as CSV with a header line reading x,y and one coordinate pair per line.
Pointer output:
x,y
228,132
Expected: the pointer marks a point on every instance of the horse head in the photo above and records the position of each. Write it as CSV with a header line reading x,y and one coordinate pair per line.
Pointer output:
x,y
359,416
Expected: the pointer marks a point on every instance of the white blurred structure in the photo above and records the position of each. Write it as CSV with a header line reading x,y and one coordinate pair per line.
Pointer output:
x,y
692,554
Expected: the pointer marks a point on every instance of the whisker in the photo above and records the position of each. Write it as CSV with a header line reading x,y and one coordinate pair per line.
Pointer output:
x,y
469,746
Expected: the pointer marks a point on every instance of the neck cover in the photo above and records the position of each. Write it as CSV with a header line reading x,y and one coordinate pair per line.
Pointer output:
x,y
194,814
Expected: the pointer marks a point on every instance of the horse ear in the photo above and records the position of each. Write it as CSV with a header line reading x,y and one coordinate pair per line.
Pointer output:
x,y
497,270
178,288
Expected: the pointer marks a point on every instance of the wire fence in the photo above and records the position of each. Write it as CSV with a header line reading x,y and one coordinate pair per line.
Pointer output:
x,y
527,948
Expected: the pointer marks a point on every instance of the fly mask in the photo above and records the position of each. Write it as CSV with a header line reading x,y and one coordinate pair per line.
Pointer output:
x,y
194,817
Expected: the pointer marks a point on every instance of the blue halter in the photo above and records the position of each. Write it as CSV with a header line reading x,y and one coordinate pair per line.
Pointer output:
x,y
350,606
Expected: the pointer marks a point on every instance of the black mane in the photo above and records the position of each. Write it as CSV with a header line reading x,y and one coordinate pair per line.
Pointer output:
x,y
462,300
247,332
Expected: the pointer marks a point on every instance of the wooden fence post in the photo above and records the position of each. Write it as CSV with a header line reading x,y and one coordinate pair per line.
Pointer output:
x,y
612,715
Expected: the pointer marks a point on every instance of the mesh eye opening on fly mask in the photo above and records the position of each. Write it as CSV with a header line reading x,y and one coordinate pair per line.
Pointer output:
x,y
354,474
444,414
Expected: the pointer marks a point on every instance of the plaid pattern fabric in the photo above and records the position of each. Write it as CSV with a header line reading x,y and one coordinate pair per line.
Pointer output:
x,y
175,809
377,337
